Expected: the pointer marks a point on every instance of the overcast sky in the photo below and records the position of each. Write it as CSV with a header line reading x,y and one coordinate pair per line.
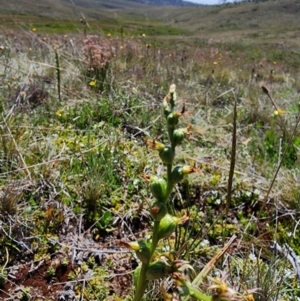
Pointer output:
x,y
210,2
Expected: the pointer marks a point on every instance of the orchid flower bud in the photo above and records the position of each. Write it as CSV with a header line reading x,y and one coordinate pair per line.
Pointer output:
x,y
143,254
168,224
140,247
166,107
167,155
154,144
133,245
158,188
157,270
180,134
179,172
173,95
173,119
158,210
165,152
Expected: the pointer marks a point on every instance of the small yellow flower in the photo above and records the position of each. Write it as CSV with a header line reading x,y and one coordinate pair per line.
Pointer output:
x,y
143,35
222,290
33,29
109,34
59,112
248,297
279,112
215,63
93,83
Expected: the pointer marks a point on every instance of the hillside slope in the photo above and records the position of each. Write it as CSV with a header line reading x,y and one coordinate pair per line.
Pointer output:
x,y
270,21
267,20
62,6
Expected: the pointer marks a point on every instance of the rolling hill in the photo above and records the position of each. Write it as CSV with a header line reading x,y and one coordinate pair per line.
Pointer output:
x,y
264,21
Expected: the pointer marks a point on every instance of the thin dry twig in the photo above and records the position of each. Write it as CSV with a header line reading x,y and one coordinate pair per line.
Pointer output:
x,y
232,159
209,266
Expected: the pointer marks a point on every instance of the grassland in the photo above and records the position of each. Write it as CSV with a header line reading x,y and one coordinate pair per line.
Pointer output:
x,y
75,111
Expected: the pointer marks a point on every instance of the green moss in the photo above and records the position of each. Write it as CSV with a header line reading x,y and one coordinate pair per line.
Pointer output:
x,y
218,230
287,233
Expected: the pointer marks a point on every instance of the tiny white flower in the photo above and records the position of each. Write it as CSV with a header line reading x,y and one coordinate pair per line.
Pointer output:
x,y
217,201
256,191
204,243
252,256
136,182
